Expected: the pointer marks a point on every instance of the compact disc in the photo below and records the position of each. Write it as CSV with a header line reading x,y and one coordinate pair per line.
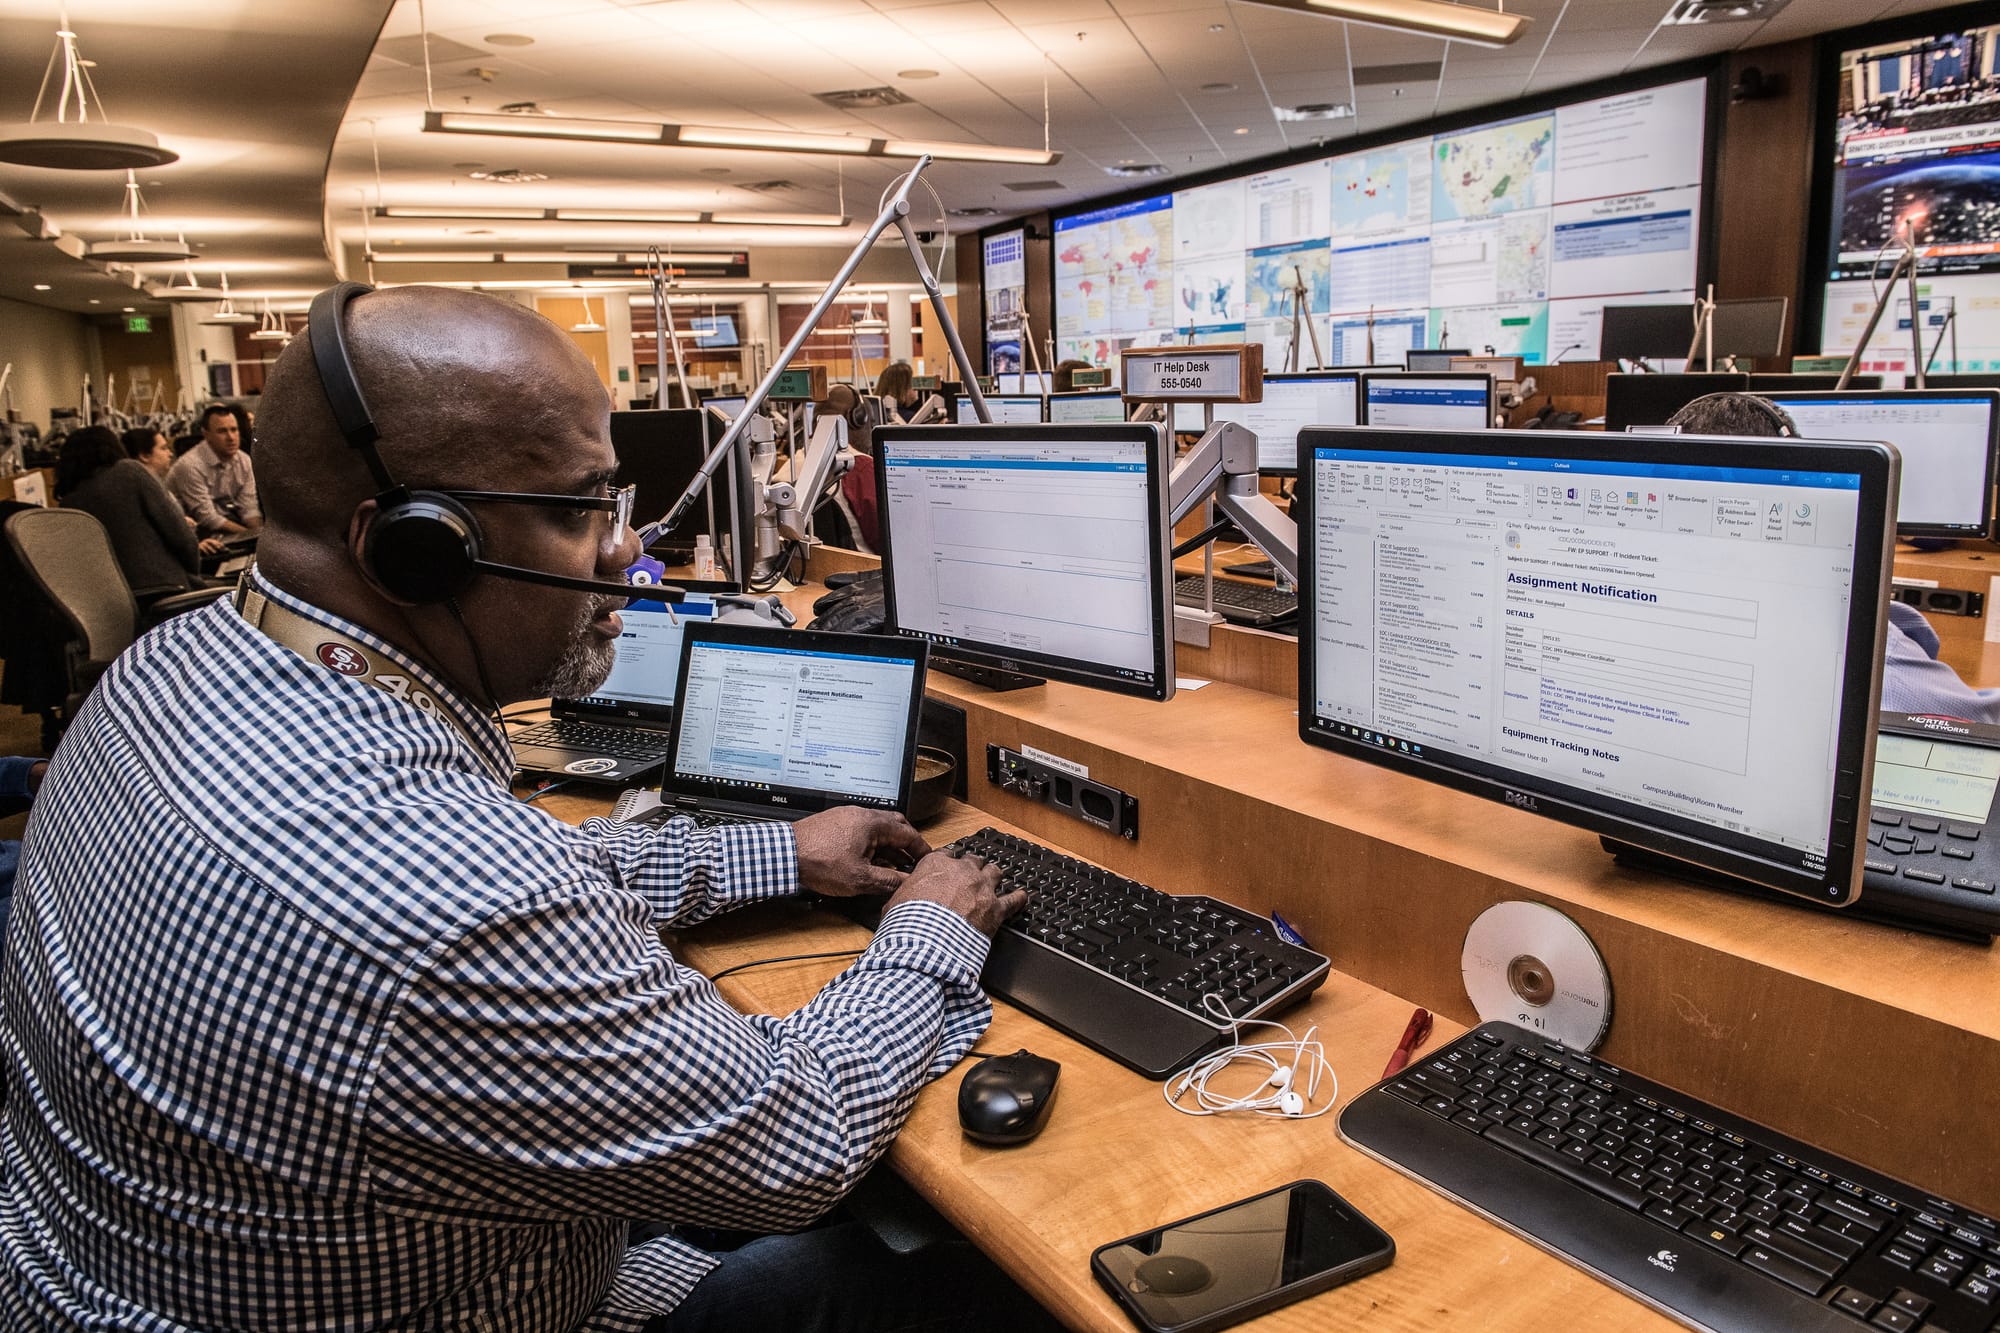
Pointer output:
x,y
1529,964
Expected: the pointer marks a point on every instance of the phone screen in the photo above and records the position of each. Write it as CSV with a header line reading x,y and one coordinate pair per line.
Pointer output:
x,y
1234,1258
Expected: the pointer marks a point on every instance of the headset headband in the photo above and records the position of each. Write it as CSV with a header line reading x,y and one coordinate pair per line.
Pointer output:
x,y
336,376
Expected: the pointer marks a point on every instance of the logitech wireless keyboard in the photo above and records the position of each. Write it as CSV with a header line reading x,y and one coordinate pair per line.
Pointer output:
x,y
1123,967
1716,1220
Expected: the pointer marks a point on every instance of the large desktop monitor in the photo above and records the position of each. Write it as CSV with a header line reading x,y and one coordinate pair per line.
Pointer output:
x,y
1432,358
1947,439
1098,405
1749,328
1650,400
1037,382
1006,409
1291,403
1428,402
1036,549
1675,641
1645,332
659,451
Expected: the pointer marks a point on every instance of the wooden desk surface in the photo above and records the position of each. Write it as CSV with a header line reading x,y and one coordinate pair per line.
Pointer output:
x,y
1115,1159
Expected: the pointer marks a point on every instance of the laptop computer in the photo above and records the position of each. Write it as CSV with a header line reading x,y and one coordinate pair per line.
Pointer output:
x,y
622,731
781,724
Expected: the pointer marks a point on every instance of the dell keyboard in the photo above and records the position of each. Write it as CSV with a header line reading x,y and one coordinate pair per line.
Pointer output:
x,y
618,742
1240,603
1716,1220
1123,967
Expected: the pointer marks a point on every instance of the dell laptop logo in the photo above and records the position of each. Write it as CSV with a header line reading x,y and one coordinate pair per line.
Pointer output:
x,y
1522,800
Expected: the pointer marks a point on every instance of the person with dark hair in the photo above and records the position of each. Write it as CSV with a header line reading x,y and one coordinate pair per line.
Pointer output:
x,y
1063,378
213,481
155,546
151,449
1913,679
896,383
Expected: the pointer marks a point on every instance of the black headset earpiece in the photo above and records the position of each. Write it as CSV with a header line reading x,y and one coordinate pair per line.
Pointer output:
x,y
421,546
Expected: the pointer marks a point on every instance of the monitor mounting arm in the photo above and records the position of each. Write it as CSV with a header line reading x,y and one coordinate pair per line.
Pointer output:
x,y
896,212
1223,464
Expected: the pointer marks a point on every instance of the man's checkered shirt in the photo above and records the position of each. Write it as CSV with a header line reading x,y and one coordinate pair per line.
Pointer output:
x,y
306,1023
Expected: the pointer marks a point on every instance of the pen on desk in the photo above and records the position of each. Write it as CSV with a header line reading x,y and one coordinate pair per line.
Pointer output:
x,y
1413,1037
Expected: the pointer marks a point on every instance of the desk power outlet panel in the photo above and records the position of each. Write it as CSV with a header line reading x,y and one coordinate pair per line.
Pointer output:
x,y
1052,785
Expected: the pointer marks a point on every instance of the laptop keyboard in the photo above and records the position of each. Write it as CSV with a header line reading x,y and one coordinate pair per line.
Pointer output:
x,y
618,742
702,818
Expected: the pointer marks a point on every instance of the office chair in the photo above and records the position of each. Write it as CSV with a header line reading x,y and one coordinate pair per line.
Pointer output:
x,y
67,555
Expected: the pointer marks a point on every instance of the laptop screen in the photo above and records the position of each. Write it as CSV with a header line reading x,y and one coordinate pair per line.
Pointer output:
x,y
796,719
643,679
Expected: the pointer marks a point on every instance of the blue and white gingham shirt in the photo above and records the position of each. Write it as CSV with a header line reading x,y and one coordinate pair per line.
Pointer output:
x,y
307,1023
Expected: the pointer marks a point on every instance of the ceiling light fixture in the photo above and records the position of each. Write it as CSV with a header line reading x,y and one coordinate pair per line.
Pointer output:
x,y
185,291
1426,18
81,144
226,312
589,323
132,247
271,328
715,136
634,217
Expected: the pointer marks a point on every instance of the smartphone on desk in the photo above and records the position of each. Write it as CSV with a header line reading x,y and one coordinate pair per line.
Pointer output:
x,y
1241,1260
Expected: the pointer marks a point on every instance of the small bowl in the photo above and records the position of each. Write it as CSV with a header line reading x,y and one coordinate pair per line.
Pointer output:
x,y
936,770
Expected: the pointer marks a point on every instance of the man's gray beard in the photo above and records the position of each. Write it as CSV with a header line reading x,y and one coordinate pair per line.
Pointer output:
x,y
586,663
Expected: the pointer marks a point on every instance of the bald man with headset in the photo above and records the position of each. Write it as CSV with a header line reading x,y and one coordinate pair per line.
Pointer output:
x,y
306,1022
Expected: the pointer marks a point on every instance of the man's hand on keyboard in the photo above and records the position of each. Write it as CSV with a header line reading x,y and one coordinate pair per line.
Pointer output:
x,y
849,852
965,884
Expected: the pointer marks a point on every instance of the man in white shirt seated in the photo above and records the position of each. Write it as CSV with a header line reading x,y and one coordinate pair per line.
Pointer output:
x,y
213,480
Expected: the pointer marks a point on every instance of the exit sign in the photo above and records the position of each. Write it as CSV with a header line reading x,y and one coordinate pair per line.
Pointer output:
x,y
138,323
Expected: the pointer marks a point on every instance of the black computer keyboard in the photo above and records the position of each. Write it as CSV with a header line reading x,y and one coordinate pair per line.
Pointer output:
x,y
1123,967
1721,1222
1240,603
618,742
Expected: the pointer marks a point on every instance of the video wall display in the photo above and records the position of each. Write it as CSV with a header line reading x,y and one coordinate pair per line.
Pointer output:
x,y
1004,280
1916,155
1508,237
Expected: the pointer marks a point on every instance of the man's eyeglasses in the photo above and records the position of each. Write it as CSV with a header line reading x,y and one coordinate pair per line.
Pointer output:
x,y
618,504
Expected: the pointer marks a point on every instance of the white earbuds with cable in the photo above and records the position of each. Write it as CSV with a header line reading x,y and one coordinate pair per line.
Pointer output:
x,y
1279,1095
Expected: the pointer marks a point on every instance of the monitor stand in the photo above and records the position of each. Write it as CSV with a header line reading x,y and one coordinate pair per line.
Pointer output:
x,y
1625,854
993,678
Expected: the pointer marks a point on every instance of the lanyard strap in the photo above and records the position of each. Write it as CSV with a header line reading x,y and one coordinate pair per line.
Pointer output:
x,y
342,655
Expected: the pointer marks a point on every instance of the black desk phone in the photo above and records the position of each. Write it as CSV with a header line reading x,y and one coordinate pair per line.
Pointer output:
x,y
1933,857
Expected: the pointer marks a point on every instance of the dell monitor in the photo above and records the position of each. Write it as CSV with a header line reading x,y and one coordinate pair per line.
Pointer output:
x,y
1031,549
1006,409
1428,402
1099,405
1643,332
1291,403
1946,438
731,407
1675,641
1652,400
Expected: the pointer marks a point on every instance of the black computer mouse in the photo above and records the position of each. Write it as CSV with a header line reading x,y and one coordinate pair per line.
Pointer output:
x,y
1005,1099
